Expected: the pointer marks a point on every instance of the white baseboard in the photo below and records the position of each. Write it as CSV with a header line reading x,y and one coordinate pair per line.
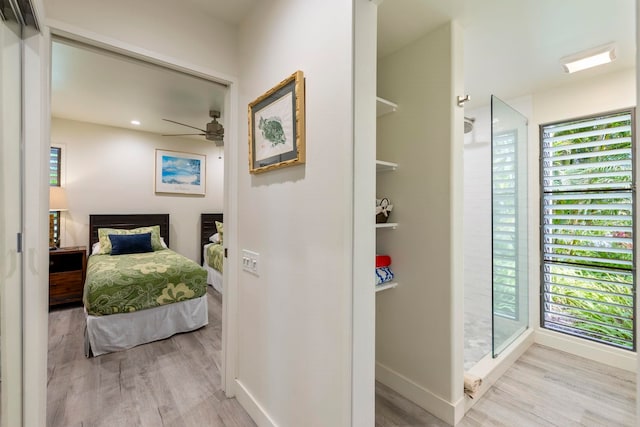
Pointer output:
x,y
253,408
602,353
419,395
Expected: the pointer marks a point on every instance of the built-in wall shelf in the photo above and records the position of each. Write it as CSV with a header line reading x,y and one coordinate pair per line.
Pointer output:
x,y
393,225
384,107
382,166
385,286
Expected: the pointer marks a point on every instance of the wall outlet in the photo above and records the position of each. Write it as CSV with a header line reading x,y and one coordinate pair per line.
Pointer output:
x,y
250,261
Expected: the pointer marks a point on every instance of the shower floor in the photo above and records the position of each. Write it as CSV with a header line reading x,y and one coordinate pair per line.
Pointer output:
x,y
477,340
477,324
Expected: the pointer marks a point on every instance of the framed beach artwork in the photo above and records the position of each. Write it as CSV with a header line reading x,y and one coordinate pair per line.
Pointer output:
x,y
276,126
181,173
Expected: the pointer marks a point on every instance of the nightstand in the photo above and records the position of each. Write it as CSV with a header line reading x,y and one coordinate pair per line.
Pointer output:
x,y
67,268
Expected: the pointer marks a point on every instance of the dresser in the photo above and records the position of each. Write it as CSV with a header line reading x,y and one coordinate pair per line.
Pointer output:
x,y
67,268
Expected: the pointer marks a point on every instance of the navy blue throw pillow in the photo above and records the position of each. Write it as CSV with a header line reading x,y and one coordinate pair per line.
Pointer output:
x,y
122,244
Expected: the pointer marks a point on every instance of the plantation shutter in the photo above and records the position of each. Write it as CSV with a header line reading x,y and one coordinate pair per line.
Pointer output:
x,y
587,228
54,166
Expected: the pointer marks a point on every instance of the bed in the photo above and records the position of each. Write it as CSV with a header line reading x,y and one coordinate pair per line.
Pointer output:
x,y
136,298
212,254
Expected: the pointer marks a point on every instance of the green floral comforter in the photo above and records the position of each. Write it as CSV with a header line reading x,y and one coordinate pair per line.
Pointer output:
x,y
126,283
215,253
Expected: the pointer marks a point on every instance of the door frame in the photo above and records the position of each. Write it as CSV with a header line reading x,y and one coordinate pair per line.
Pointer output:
x,y
39,343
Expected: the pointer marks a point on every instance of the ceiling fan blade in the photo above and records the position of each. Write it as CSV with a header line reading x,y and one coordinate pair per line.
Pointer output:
x,y
182,124
185,134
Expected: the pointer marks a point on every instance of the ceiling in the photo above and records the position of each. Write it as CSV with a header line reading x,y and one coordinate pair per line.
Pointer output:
x,y
512,48
100,87
231,12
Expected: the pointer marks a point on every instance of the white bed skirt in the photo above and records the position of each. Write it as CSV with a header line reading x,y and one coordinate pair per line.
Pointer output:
x,y
214,277
117,332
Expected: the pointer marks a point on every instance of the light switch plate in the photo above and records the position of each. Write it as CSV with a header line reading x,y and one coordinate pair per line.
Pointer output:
x,y
250,261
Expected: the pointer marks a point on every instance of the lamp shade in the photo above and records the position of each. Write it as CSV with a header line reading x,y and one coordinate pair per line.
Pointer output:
x,y
57,199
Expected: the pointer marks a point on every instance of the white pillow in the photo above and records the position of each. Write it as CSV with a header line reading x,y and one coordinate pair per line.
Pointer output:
x,y
162,242
95,248
215,238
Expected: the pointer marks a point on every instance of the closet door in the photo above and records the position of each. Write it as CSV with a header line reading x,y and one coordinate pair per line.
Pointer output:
x,y
10,219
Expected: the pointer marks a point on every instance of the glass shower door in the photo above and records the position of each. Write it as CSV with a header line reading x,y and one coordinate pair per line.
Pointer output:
x,y
510,301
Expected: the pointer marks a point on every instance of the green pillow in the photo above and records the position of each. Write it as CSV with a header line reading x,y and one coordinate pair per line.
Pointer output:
x,y
220,229
105,243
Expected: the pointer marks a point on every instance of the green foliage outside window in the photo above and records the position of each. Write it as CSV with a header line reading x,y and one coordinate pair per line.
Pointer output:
x,y
588,242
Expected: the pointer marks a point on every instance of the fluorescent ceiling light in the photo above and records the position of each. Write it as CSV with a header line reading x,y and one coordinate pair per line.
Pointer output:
x,y
589,58
135,122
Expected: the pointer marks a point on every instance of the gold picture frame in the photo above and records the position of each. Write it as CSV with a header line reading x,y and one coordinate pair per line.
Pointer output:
x,y
277,126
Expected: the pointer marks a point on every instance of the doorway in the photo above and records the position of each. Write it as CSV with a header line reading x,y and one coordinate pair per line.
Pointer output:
x,y
87,145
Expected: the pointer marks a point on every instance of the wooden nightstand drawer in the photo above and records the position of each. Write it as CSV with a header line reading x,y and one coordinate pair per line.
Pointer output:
x,y
65,287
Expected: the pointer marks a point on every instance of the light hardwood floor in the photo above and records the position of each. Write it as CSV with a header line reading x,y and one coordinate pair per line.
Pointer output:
x,y
544,387
174,382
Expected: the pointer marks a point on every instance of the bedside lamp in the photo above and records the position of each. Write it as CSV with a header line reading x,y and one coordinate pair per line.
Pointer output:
x,y
57,203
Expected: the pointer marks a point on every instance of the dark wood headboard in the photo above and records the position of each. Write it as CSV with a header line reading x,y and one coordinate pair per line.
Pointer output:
x,y
127,221
207,229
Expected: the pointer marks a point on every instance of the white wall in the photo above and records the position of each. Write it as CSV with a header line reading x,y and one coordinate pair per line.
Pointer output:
x,y
364,233
588,96
294,319
419,323
109,170
164,27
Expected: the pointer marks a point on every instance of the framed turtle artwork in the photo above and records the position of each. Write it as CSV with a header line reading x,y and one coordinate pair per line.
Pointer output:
x,y
276,126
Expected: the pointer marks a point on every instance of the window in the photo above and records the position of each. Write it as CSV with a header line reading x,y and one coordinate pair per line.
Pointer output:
x,y
54,180
587,206
54,166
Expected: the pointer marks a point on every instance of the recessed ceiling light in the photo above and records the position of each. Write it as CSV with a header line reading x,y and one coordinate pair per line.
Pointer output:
x,y
135,122
589,58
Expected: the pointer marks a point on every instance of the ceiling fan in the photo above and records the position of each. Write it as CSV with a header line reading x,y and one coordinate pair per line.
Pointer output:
x,y
214,130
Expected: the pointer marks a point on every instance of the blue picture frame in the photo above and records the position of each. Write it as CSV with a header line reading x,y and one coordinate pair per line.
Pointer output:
x,y
180,173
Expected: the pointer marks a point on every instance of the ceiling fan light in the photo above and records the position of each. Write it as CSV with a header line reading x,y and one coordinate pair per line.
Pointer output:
x,y
589,59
